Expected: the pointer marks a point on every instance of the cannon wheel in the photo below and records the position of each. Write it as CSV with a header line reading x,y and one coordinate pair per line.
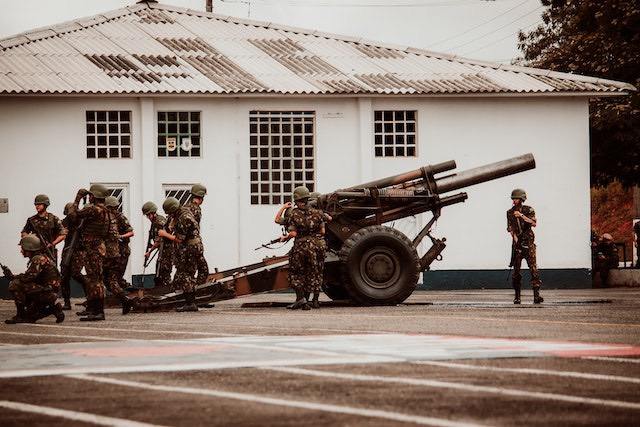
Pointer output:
x,y
380,266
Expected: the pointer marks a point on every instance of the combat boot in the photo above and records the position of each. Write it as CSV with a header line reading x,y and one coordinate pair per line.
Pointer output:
x,y
67,304
127,304
315,303
189,303
97,312
20,317
57,311
516,299
537,298
301,302
89,309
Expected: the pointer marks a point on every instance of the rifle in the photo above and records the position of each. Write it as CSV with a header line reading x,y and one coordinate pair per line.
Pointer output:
x,y
7,272
44,241
516,248
271,242
65,263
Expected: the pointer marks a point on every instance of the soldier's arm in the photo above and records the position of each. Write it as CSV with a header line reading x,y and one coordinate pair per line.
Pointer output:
x,y
124,227
530,217
279,219
27,229
33,270
60,231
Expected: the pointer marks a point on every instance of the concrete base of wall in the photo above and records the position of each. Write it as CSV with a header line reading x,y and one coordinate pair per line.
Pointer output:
x,y
628,277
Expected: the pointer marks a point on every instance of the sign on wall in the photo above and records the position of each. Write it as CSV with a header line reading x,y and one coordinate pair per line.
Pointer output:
x,y
171,143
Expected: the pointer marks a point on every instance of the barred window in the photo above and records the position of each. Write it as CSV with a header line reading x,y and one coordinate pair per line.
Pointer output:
x,y
395,133
108,134
182,192
120,192
178,134
281,145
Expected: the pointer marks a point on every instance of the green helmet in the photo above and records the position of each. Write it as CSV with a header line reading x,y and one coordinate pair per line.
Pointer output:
x,y
170,205
519,193
42,199
99,191
314,195
199,190
111,202
149,208
67,208
30,242
300,193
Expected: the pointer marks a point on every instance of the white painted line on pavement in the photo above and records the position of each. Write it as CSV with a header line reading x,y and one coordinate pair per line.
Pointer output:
x,y
72,415
568,374
33,334
460,386
20,373
300,404
612,359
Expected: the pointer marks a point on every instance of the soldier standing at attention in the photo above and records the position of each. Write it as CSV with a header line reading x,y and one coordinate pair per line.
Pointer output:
x,y
520,222
112,262
92,249
37,288
306,226
198,191
188,245
164,263
46,226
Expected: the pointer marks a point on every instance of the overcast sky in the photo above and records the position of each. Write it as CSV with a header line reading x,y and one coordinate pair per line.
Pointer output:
x,y
481,29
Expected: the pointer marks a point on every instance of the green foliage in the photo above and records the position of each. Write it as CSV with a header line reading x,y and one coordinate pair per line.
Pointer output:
x,y
611,212
599,38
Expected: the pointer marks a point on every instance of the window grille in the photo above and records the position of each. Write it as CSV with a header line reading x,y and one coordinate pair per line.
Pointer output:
x,y
120,192
395,133
281,145
108,134
182,192
179,134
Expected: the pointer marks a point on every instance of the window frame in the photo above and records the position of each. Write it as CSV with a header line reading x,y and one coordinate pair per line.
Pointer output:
x,y
405,134
95,134
157,133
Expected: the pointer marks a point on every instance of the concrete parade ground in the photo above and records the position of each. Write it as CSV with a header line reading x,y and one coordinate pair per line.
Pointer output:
x,y
448,358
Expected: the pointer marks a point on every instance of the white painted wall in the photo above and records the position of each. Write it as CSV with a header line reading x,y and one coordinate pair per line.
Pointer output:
x,y
43,151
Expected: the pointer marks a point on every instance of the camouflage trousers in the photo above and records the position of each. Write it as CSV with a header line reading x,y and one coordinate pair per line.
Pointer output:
x,y
164,265
111,273
187,256
123,261
65,284
32,296
91,257
527,253
306,262
203,269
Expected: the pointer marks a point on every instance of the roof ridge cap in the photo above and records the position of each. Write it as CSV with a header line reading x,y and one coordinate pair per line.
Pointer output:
x,y
68,25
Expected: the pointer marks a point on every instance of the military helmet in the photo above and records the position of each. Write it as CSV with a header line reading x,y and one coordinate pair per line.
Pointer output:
x,y
42,199
99,191
149,208
67,208
111,202
30,242
607,236
199,190
314,195
519,193
171,205
300,193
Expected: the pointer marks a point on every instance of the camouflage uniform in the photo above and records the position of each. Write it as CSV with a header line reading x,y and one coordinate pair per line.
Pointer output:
x,y
306,259
112,258
164,263
70,223
203,266
188,252
91,249
49,227
124,227
526,247
37,287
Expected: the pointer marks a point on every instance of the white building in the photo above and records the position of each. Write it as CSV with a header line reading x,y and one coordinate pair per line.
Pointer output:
x,y
116,97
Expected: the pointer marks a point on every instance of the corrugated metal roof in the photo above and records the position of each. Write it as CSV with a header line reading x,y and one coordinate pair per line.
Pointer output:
x,y
154,49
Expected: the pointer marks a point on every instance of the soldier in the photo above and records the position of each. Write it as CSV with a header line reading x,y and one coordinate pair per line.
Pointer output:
x,y
198,191
188,250
164,263
92,250
520,222
46,226
125,233
36,290
113,270
70,223
606,257
306,259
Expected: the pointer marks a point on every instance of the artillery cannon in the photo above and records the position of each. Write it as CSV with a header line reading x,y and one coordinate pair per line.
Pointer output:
x,y
367,262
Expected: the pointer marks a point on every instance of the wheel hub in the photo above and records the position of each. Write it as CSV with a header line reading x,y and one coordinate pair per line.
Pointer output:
x,y
380,267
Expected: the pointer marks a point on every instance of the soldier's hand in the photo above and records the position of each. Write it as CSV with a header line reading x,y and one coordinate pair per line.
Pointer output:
x,y
163,233
284,238
287,205
83,192
518,214
147,254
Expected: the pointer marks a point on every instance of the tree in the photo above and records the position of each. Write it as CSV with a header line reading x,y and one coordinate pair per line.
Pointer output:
x,y
599,38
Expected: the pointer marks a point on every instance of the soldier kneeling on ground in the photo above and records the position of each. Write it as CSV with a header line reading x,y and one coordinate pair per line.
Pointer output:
x,y
36,290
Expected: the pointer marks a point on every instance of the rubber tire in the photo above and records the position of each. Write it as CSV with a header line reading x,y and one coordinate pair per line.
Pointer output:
x,y
378,239
331,285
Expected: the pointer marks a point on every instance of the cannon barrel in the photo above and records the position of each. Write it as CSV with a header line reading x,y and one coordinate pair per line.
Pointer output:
x,y
407,176
485,173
